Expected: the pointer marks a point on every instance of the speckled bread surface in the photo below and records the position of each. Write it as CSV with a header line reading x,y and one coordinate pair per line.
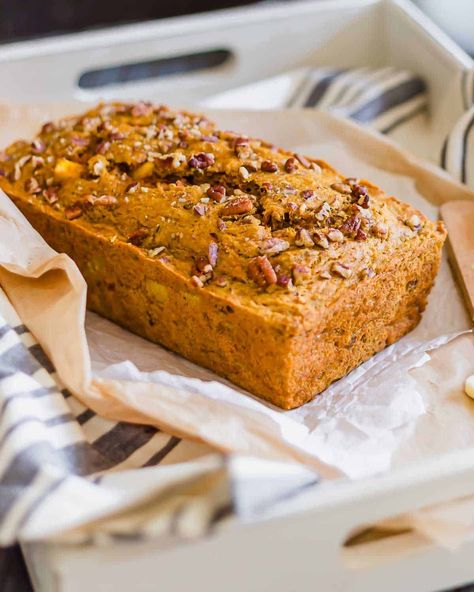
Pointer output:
x,y
268,267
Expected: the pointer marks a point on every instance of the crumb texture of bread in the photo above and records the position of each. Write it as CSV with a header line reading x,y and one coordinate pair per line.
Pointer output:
x,y
266,266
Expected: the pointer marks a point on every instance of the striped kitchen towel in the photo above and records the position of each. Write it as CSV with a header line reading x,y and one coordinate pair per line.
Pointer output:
x,y
382,98
457,155
61,464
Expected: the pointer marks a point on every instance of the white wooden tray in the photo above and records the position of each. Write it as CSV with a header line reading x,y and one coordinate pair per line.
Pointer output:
x,y
304,551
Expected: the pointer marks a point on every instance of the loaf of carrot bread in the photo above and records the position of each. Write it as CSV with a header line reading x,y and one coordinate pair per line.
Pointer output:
x,y
266,266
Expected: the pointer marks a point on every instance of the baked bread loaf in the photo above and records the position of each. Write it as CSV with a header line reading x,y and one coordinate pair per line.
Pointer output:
x,y
265,266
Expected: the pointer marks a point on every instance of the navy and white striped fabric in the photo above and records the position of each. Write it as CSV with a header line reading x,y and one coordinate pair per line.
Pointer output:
x,y
60,463
457,155
382,98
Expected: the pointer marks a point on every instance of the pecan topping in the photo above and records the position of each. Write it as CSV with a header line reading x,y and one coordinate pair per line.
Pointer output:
x,y
335,235
260,270
212,253
307,193
351,225
221,281
101,200
380,230
221,225
360,235
196,281
342,188
361,195
303,238
273,246
244,173
32,186
73,212
201,160
269,167
237,206
38,146
156,251
79,140
302,160
367,272
323,212
51,195
200,209
414,223
341,270
241,141
283,280
216,193
103,147
142,109
291,165
321,240
203,265
137,237
48,127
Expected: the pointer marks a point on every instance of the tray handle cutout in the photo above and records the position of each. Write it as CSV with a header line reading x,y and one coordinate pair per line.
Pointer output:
x,y
157,68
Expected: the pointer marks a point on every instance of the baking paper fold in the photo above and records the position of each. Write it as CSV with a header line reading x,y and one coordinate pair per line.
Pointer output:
x,y
377,418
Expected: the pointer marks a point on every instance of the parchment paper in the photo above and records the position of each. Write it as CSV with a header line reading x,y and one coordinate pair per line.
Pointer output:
x,y
403,405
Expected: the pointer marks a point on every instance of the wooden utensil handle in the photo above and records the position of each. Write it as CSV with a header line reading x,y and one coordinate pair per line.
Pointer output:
x,y
459,219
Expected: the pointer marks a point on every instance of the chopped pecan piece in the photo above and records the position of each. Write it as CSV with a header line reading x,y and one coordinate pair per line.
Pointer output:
x,y
283,280
360,235
341,270
156,251
203,265
73,212
237,206
342,188
303,238
335,236
101,200
221,281
268,166
32,186
212,252
50,195
261,271
302,160
137,237
380,230
414,222
142,109
216,193
38,146
351,225
244,173
367,272
307,193
201,160
221,225
291,165
273,246
200,209
323,212
196,281
321,240
103,147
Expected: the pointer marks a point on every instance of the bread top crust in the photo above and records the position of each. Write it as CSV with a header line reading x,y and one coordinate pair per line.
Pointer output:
x,y
267,228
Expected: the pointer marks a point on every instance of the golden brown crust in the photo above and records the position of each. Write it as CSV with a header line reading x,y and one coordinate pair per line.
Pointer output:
x,y
265,266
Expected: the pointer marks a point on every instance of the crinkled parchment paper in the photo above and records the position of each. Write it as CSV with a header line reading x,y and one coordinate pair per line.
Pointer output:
x,y
403,405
